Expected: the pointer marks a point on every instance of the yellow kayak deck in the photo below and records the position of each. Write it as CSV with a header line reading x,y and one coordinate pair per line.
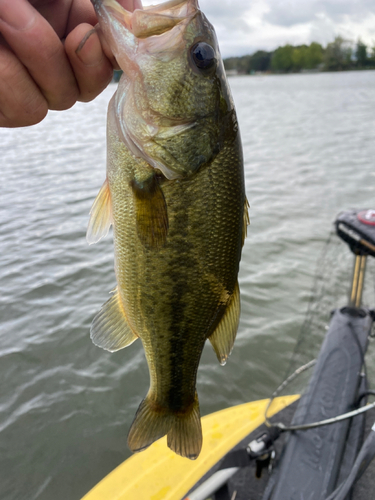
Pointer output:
x,y
159,474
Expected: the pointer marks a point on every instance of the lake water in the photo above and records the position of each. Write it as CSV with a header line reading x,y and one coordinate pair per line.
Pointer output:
x,y
66,405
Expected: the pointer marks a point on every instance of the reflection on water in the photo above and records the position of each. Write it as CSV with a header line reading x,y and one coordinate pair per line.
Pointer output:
x,y
65,405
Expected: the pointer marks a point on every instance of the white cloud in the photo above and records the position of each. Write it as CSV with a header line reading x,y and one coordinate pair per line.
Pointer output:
x,y
290,12
244,26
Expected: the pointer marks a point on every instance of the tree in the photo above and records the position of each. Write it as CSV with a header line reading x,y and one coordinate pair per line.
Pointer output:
x,y
244,64
338,55
282,59
361,54
299,57
314,55
241,64
260,61
372,56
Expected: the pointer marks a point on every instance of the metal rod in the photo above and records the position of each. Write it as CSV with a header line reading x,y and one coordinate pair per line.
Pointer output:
x,y
358,280
361,280
353,294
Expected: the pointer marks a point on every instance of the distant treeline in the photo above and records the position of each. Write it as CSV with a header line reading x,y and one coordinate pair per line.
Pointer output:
x,y
339,55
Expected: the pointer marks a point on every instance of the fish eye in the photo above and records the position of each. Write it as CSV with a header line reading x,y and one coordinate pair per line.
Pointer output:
x,y
203,55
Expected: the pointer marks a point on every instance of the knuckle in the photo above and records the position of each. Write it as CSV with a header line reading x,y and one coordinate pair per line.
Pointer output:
x,y
55,77
9,67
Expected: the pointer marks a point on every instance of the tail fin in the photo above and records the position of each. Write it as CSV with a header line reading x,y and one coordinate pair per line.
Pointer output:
x,y
184,429
149,424
185,435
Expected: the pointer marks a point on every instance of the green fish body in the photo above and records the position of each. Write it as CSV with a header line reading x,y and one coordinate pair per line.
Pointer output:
x,y
175,195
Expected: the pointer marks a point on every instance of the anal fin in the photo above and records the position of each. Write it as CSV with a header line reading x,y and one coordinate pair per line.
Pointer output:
x,y
151,212
110,329
100,215
223,337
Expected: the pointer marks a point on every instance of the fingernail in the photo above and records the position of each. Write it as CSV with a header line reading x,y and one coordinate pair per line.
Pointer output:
x,y
18,14
89,51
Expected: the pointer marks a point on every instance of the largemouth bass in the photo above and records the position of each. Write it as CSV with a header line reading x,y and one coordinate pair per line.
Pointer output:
x,y
175,195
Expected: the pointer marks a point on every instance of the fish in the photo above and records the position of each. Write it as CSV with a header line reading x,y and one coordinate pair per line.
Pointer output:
x,y
174,193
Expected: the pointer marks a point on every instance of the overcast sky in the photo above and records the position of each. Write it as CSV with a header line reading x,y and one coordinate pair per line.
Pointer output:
x,y
244,26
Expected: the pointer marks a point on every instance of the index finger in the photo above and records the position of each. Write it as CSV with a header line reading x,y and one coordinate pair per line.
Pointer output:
x,y
35,43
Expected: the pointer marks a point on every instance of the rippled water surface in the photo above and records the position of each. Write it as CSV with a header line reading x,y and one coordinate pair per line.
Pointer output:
x,y
65,405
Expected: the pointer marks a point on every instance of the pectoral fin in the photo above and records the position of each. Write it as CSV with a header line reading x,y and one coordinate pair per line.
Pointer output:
x,y
110,329
151,212
101,215
222,339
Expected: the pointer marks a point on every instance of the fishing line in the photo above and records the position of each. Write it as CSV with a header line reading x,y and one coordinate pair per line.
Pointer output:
x,y
323,297
321,423
363,460
317,298
283,428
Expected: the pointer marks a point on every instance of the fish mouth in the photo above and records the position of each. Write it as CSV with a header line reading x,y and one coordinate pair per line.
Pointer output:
x,y
148,21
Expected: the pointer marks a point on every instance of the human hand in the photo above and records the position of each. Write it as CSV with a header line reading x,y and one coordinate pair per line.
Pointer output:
x,y
50,57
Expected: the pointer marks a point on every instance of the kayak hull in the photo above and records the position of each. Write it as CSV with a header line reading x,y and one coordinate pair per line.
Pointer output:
x,y
159,474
